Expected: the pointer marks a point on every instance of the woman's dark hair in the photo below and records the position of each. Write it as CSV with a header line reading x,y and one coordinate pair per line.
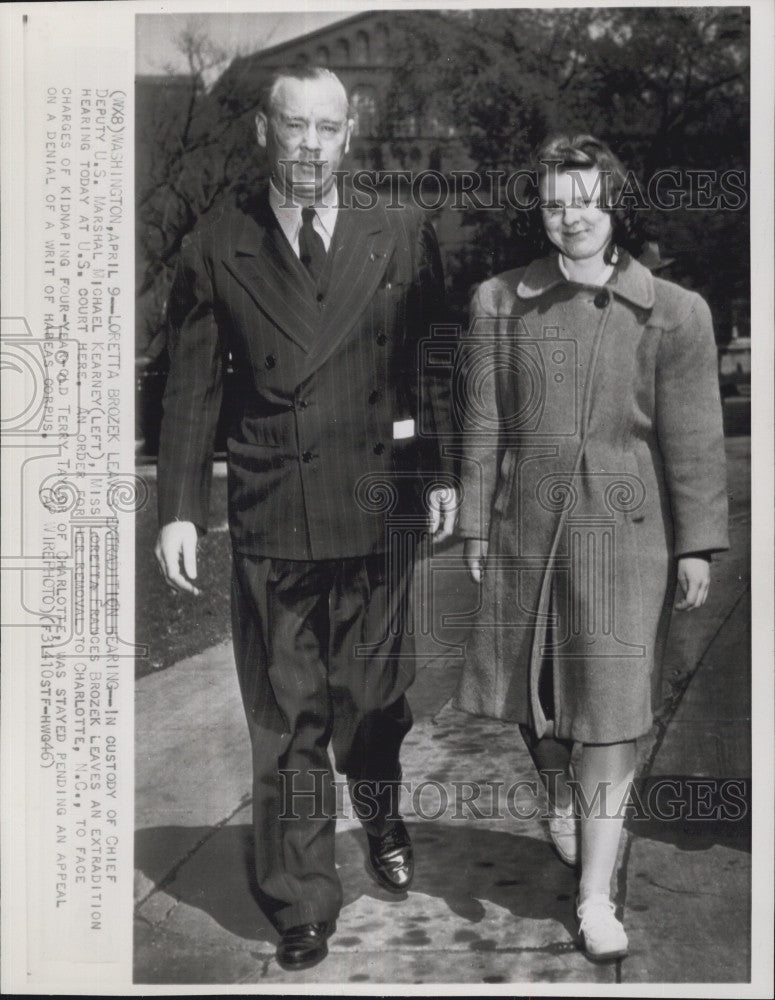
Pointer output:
x,y
566,152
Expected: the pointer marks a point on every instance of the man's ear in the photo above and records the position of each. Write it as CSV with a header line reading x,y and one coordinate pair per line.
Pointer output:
x,y
262,125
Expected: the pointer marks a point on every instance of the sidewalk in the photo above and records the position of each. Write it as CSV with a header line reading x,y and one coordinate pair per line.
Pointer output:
x,y
491,902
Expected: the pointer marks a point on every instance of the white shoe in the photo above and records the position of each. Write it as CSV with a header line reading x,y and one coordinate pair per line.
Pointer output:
x,y
564,831
602,936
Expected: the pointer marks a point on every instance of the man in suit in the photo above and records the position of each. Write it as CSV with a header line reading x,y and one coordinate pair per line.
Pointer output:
x,y
321,304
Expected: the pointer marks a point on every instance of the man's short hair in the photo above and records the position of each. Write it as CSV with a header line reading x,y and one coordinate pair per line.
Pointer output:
x,y
296,72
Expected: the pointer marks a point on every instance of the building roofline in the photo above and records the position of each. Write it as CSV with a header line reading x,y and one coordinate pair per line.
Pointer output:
x,y
172,78
312,35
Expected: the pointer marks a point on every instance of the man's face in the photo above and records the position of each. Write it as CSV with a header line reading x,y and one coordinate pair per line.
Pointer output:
x,y
306,135
572,216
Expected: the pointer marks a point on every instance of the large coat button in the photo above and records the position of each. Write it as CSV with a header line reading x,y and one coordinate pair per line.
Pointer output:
x,y
379,448
381,339
307,456
270,361
601,299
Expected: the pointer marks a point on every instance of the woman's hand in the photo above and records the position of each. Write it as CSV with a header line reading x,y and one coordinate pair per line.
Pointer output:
x,y
694,578
475,556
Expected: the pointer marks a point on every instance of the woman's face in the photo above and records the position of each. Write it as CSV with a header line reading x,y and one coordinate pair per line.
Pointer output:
x,y
572,216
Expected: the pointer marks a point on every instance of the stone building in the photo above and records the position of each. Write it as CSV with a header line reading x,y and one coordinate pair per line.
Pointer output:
x,y
361,50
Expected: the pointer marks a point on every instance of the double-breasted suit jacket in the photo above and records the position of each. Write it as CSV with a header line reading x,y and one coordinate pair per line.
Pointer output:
x,y
594,457
327,377
334,427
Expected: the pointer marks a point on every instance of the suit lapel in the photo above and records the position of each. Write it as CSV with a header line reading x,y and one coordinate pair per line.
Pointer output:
x,y
361,248
262,261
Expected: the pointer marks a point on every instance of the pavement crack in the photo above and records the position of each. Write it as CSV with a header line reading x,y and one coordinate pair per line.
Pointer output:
x,y
682,892
173,872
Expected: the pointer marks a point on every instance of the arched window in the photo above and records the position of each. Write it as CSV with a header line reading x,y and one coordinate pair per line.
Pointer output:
x,y
342,51
322,55
364,106
361,47
380,39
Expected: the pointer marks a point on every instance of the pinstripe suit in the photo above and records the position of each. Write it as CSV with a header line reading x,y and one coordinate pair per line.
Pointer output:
x,y
324,371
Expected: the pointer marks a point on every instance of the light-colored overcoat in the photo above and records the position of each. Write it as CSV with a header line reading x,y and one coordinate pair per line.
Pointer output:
x,y
593,458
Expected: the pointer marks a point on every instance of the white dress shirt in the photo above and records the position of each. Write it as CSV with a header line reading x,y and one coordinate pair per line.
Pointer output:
x,y
289,216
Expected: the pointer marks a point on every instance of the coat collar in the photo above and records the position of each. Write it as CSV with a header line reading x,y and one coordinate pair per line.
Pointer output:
x,y
264,263
262,260
630,281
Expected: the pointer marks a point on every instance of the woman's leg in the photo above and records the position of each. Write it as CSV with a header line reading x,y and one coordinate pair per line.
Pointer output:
x,y
610,767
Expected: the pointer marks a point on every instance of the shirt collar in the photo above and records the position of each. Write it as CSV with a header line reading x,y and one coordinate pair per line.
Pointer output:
x,y
289,216
601,278
630,280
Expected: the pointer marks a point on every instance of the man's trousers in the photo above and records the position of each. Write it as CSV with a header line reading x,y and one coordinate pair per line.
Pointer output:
x,y
317,649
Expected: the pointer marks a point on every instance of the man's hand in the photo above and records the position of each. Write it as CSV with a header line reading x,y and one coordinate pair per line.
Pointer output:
x,y
475,557
694,578
176,539
442,512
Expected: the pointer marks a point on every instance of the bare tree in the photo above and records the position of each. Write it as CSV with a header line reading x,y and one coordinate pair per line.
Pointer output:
x,y
193,145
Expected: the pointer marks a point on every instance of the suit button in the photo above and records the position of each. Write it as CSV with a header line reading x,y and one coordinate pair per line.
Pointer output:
x,y
381,339
270,361
320,296
601,299
307,456
373,397
379,448
303,404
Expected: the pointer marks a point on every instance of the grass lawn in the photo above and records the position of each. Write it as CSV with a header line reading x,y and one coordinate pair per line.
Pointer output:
x,y
173,625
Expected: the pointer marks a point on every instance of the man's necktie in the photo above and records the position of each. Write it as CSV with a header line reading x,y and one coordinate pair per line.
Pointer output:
x,y
312,249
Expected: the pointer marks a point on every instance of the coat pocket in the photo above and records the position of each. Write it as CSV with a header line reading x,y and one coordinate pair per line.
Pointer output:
x,y
269,430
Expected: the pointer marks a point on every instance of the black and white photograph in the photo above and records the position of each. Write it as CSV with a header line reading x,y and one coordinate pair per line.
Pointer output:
x,y
598,349
387,604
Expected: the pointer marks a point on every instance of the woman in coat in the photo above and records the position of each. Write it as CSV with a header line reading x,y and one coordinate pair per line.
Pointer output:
x,y
593,479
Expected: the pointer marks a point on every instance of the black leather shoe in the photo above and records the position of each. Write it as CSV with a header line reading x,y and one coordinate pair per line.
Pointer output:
x,y
303,946
391,858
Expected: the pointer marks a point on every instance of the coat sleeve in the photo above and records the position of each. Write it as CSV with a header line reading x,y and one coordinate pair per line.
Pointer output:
x,y
192,397
476,384
690,432
434,383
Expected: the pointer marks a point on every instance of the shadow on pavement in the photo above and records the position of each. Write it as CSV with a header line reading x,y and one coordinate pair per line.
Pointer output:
x,y
694,814
216,877
463,865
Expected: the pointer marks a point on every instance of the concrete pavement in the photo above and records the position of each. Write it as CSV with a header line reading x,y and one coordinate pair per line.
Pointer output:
x,y
491,902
